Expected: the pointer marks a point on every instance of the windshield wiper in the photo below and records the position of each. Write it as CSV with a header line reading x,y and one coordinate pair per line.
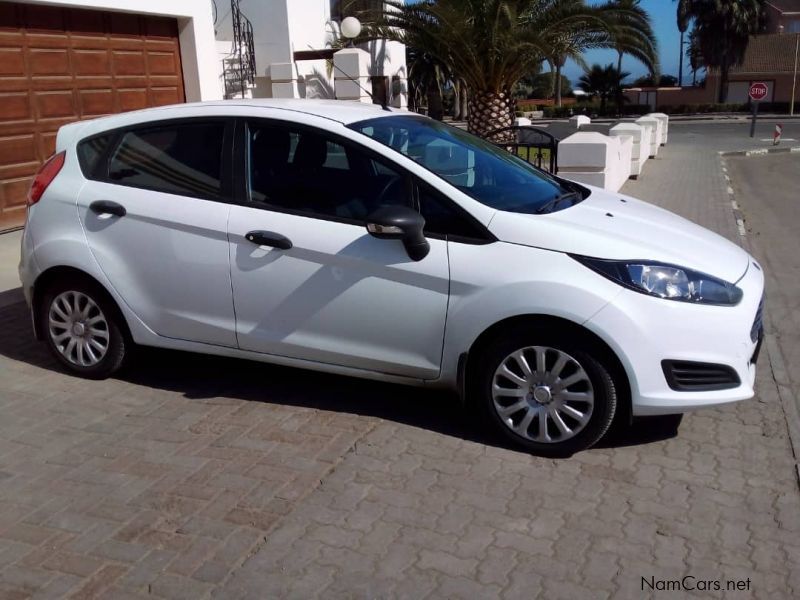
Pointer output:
x,y
552,204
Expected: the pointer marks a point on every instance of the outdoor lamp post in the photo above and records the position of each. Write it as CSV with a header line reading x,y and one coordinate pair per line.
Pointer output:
x,y
351,28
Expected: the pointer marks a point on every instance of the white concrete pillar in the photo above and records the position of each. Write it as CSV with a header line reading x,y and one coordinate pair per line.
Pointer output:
x,y
653,126
622,171
640,149
595,159
664,118
284,80
351,75
578,121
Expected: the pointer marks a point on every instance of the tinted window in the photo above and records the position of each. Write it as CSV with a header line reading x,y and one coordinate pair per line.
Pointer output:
x,y
183,159
305,171
491,175
91,151
442,218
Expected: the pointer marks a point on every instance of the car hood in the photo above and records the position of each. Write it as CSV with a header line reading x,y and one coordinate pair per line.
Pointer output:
x,y
615,226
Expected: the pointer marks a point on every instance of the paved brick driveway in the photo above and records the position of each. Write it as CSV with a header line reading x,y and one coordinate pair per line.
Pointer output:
x,y
190,477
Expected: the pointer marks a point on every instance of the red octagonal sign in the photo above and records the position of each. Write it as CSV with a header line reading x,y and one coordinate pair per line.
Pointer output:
x,y
758,90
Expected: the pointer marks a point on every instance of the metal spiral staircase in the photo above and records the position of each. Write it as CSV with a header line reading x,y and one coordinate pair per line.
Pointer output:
x,y
239,69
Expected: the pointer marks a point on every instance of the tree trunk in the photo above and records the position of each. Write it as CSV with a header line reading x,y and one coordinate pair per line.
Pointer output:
x,y
456,100
620,97
489,111
435,106
558,85
464,101
723,82
680,63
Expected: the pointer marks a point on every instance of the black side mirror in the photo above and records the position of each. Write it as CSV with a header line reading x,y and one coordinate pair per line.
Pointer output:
x,y
395,222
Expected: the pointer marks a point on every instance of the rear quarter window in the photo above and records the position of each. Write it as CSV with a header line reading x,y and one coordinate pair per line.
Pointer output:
x,y
90,153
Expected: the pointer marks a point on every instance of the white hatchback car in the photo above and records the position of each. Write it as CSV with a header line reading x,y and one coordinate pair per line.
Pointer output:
x,y
350,239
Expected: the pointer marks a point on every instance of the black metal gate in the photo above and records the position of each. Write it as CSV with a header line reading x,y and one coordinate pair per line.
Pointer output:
x,y
532,144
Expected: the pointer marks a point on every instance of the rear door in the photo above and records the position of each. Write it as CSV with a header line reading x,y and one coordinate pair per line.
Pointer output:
x,y
155,211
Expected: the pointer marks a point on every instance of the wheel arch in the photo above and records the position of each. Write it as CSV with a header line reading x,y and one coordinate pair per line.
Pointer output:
x,y
63,272
549,322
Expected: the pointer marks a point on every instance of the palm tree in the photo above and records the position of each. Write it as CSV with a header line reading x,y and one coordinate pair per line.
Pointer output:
x,y
633,34
723,30
682,18
427,77
694,54
564,47
491,44
603,82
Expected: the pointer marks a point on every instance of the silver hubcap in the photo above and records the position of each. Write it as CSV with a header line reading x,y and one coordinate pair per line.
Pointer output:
x,y
542,394
78,328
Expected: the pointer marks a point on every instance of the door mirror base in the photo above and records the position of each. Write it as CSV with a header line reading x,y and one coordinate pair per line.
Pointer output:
x,y
395,222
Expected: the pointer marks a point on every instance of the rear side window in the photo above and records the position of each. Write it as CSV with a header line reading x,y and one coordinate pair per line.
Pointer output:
x,y
91,151
184,159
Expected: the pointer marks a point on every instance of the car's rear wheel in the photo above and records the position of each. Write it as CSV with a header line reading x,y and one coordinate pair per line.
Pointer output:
x,y
83,329
554,396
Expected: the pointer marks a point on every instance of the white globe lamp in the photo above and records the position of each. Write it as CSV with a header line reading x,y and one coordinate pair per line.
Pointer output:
x,y
351,27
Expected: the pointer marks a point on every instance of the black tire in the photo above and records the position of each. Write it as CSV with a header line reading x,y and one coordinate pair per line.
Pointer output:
x,y
118,343
587,355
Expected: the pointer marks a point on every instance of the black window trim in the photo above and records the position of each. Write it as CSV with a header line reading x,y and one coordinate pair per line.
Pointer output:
x,y
100,171
242,169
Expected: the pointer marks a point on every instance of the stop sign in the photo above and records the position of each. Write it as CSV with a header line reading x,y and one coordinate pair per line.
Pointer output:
x,y
758,90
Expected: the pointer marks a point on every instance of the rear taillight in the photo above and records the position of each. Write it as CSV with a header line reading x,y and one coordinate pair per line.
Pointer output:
x,y
44,176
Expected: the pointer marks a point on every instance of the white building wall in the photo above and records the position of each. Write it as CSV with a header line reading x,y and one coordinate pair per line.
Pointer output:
x,y
196,30
283,27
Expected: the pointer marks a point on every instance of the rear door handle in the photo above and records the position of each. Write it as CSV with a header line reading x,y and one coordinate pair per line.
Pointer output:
x,y
269,238
107,207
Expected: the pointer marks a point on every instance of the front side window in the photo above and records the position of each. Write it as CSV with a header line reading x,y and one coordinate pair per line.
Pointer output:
x,y
183,158
491,175
307,172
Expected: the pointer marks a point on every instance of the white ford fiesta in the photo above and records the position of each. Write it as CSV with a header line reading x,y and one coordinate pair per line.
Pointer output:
x,y
350,239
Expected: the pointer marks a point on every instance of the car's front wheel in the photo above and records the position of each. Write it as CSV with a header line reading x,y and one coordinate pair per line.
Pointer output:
x,y
551,395
82,328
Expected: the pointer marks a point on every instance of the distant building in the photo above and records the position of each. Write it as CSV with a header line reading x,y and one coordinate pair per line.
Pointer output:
x,y
770,58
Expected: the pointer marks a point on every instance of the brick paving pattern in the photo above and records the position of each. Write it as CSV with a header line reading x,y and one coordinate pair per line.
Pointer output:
x,y
196,477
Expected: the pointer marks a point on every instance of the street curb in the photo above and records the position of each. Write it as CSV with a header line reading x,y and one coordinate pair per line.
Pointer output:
x,y
789,402
762,151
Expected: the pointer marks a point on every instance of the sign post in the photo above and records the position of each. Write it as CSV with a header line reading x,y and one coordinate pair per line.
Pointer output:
x,y
776,137
758,91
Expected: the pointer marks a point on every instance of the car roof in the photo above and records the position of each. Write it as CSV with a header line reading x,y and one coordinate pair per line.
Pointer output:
x,y
343,111
339,111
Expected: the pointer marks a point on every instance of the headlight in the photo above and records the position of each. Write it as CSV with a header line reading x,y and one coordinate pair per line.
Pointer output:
x,y
665,281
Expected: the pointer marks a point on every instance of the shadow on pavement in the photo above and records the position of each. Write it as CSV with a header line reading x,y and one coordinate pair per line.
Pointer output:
x,y
198,376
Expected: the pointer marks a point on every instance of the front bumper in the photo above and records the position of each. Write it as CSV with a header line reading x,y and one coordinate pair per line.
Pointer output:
x,y
644,331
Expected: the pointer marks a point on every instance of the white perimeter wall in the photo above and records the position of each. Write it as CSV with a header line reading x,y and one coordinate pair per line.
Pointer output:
x,y
195,25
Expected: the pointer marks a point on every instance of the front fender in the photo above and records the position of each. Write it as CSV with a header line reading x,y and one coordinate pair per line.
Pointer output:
x,y
494,282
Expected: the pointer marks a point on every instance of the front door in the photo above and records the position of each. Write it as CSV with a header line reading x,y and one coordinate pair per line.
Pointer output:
x,y
337,295
155,213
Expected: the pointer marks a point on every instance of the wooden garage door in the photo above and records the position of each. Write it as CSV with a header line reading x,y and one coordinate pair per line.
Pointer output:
x,y
58,65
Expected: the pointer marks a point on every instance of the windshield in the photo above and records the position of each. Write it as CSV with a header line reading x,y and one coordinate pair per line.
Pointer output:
x,y
489,174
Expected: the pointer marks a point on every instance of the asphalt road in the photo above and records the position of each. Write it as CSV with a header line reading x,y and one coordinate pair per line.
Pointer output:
x,y
766,188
